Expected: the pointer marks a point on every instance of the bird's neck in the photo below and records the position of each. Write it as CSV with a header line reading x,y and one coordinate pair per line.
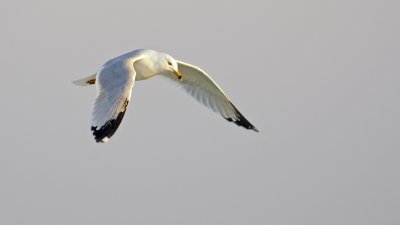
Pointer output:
x,y
147,67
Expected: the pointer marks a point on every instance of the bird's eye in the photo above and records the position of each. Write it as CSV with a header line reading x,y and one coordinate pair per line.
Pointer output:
x,y
169,63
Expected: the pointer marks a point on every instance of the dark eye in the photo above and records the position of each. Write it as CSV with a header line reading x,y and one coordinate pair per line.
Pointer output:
x,y
169,63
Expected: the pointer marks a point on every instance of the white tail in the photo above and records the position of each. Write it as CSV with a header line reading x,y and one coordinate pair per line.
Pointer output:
x,y
85,81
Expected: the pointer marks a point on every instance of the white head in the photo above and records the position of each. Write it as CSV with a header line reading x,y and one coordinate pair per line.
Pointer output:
x,y
151,63
169,65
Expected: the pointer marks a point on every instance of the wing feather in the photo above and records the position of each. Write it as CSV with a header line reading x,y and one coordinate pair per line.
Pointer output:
x,y
205,90
114,84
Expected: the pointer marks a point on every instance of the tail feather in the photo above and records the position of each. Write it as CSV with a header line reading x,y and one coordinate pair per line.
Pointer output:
x,y
86,81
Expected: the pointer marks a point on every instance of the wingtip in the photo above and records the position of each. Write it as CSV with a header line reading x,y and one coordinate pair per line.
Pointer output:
x,y
102,141
106,131
241,120
255,129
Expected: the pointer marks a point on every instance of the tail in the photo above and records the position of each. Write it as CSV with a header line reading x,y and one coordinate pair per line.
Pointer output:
x,y
86,81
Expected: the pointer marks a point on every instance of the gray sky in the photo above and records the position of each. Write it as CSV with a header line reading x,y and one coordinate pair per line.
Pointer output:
x,y
319,78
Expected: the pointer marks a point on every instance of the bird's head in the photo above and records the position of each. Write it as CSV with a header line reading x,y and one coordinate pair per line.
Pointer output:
x,y
171,66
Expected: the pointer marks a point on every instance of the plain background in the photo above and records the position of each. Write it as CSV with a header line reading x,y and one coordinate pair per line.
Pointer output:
x,y
321,79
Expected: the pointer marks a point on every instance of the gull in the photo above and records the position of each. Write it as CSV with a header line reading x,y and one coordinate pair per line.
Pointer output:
x,y
115,79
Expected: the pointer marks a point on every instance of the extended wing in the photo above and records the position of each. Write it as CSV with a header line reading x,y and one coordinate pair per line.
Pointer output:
x,y
199,85
114,84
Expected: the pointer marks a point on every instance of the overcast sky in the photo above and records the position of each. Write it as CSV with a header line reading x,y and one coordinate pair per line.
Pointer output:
x,y
320,79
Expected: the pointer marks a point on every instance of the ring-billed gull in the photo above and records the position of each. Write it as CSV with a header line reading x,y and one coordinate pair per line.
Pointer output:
x,y
115,80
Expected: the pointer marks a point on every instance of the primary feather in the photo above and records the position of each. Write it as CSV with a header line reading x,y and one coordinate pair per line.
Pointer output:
x,y
114,84
205,90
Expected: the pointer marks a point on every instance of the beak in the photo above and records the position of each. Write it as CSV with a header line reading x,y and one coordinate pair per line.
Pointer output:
x,y
178,74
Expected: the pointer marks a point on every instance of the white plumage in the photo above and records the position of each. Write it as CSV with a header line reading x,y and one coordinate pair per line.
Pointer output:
x,y
116,78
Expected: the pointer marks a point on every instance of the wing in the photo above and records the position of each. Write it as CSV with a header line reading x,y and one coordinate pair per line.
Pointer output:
x,y
114,84
200,86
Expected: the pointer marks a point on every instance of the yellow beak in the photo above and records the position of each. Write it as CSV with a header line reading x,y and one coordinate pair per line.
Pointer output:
x,y
177,73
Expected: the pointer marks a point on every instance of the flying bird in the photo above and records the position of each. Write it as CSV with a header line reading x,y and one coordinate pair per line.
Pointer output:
x,y
115,79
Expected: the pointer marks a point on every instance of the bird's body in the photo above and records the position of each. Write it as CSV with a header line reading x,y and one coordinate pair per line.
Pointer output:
x,y
146,63
116,78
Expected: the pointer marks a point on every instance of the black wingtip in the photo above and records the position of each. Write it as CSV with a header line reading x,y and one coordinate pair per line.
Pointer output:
x,y
241,120
109,128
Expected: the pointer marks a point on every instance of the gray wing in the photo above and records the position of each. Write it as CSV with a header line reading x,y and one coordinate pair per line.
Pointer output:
x,y
114,84
199,85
